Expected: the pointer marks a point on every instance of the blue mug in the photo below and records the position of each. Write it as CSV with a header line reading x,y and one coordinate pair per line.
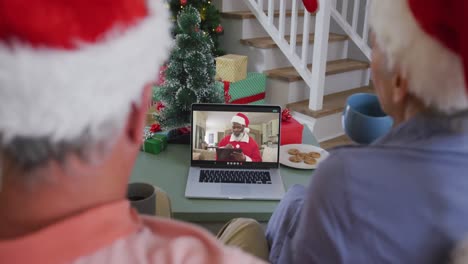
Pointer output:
x,y
364,120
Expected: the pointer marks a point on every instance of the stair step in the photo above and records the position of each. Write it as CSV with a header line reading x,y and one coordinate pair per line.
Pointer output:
x,y
336,142
268,43
250,15
332,103
290,74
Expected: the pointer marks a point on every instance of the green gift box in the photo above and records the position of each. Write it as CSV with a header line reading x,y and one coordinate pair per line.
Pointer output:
x,y
155,144
251,90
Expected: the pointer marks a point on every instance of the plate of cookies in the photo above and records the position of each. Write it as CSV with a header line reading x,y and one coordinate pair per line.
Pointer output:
x,y
302,156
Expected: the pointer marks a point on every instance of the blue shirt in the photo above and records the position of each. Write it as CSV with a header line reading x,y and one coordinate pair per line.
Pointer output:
x,y
403,199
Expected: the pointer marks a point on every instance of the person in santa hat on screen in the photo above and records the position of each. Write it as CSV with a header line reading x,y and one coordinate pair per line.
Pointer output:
x,y
240,139
404,198
73,102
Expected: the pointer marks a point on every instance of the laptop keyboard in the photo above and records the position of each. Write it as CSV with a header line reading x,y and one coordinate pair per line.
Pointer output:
x,y
235,176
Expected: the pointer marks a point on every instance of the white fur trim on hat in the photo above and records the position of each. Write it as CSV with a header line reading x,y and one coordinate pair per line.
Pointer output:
x,y
434,73
61,93
238,119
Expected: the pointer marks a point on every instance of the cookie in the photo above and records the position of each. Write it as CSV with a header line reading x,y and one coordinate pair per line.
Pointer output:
x,y
314,155
310,161
301,155
293,151
295,159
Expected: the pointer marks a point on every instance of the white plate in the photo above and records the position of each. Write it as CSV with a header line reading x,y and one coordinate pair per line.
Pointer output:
x,y
284,156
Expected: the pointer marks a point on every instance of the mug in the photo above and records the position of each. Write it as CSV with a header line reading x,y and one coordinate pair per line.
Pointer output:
x,y
142,197
364,121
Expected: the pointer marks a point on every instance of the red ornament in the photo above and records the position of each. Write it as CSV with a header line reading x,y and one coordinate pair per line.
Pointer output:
x,y
183,2
286,115
155,128
311,5
219,29
159,106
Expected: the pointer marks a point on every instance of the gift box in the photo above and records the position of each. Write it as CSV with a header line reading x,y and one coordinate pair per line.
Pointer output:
x,y
153,142
150,117
231,68
291,132
251,90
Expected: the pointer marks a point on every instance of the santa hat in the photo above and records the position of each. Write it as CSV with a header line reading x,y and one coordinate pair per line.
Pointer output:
x,y
69,67
429,41
243,120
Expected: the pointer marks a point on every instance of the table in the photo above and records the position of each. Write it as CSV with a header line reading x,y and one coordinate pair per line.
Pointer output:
x,y
169,170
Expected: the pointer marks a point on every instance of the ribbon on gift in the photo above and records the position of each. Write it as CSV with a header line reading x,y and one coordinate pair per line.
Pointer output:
x,y
249,99
243,100
227,96
286,115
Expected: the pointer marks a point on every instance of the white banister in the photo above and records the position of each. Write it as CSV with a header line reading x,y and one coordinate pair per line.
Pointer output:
x,y
292,41
315,77
355,13
282,18
365,33
271,11
305,39
319,62
344,9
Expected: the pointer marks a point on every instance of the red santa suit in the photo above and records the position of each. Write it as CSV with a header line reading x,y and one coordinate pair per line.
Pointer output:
x,y
246,143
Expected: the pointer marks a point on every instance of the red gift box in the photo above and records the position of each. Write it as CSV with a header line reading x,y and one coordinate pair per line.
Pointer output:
x,y
291,132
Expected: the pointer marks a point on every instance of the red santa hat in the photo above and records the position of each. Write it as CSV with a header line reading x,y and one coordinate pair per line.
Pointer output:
x,y
428,40
242,119
71,66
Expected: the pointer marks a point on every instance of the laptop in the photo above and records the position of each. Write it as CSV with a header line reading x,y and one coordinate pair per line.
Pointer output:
x,y
235,152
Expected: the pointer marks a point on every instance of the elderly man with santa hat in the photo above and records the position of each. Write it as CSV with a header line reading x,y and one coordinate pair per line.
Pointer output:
x,y
402,199
73,99
240,139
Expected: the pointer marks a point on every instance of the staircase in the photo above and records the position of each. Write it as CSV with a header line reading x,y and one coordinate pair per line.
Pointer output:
x,y
298,50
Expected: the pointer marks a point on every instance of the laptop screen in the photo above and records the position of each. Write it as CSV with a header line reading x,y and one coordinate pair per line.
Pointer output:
x,y
235,136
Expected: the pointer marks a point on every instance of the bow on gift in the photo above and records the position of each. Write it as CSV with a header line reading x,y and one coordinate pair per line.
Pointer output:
x,y
155,128
286,115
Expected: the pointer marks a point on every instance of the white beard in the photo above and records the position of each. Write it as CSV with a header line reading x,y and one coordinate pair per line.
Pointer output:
x,y
239,138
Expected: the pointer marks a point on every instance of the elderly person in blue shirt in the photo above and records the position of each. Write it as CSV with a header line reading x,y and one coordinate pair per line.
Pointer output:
x,y
404,198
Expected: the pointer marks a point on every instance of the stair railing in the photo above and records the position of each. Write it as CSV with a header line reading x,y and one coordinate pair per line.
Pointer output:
x,y
314,76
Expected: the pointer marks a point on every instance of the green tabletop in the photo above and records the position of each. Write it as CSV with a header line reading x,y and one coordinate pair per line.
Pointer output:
x,y
169,170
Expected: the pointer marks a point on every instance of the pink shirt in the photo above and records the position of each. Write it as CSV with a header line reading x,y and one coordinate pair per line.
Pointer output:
x,y
115,233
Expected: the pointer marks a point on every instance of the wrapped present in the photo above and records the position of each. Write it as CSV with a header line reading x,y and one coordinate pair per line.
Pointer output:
x,y
231,68
291,131
248,91
150,117
154,142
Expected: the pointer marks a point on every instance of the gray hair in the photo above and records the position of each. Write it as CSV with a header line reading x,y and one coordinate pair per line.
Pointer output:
x,y
29,154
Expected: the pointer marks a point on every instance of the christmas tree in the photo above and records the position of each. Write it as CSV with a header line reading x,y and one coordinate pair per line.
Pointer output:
x,y
190,73
210,19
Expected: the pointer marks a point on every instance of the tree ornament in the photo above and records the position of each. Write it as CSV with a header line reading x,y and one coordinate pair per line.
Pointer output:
x,y
219,29
183,2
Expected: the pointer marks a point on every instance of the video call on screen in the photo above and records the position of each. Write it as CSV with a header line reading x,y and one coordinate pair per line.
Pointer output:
x,y
216,138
